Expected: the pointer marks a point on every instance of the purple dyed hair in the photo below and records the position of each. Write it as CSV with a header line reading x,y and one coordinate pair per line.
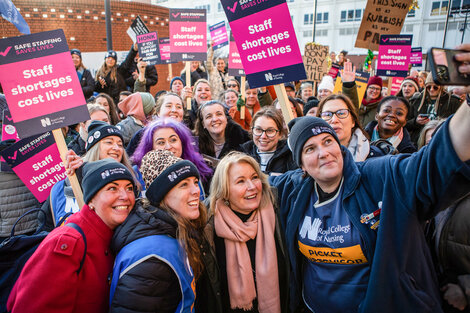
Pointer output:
x,y
188,144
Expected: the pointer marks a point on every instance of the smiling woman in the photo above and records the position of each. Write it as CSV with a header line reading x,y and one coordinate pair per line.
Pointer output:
x,y
246,268
108,190
158,258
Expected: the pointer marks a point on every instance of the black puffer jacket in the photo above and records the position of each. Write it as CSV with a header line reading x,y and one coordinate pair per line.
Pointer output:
x,y
195,76
129,66
151,286
88,83
281,162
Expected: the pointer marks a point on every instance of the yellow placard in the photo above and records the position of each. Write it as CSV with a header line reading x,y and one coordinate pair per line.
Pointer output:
x,y
347,255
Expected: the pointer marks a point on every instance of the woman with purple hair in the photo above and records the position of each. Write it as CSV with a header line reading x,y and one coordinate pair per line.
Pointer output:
x,y
168,134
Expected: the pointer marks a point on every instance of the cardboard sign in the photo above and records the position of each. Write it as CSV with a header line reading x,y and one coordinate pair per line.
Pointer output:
x,y
395,84
219,35
416,57
361,82
394,55
36,161
316,61
148,47
381,17
137,27
266,41
334,70
188,35
235,66
40,83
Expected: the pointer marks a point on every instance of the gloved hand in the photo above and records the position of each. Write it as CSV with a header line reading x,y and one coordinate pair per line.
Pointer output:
x,y
240,103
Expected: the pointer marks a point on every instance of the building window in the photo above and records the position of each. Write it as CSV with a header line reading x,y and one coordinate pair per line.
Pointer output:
x,y
432,27
342,31
350,15
207,7
308,19
219,7
439,7
308,33
321,33
343,16
319,19
325,18
358,15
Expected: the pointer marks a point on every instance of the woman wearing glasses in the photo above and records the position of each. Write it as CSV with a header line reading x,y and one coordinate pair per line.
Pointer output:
x,y
339,111
268,146
432,103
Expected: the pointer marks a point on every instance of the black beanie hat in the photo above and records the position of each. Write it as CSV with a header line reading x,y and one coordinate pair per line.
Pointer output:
x,y
77,52
98,174
162,171
99,130
310,104
302,129
111,54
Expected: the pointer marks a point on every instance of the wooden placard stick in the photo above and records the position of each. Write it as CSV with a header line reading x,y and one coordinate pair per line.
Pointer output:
x,y
170,71
188,83
242,92
283,102
60,141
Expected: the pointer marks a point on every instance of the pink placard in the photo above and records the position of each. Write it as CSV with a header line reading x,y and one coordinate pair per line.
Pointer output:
x,y
186,36
41,86
396,83
235,66
273,46
219,35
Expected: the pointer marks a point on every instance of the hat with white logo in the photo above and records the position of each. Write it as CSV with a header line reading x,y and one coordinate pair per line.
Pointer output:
x,y
99,130
161,171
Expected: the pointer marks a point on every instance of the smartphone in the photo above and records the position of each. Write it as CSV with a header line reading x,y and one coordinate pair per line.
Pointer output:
x,y
444,67
424,115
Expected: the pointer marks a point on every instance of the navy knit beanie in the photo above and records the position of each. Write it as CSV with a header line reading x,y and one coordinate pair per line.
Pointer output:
x,y
302,129
98,174
176,78
99,130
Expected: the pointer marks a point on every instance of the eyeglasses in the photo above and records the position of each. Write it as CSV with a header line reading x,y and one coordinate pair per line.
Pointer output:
x,y
270,132
375,88
433,87
328,115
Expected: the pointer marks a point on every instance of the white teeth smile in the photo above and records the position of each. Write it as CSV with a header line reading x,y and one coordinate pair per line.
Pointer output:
x,y
121,208
251,197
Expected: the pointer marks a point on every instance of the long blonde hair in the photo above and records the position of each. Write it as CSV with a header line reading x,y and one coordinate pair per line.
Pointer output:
x,y
220,185
104,71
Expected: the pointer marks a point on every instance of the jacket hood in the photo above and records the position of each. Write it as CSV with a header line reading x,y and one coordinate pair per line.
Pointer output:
x,y
143,222
139,105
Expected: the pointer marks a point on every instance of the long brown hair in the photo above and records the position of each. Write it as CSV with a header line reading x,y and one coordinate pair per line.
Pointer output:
x,y
189,233
112,108
105,70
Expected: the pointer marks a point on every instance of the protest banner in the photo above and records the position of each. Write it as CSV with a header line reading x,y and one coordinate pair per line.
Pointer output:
x,y
188,35
149,49
235,66
36,161
266,41
394,55
334,70
316,61
416,57
219,35
381,17
40,83
361,83
394,85
137,27
165,52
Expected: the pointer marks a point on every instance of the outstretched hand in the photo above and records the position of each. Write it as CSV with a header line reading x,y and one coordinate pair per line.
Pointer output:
x,y
464,68
348,73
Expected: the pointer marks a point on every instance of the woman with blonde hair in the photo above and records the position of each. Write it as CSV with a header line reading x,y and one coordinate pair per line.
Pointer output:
x,y
246,248
108,77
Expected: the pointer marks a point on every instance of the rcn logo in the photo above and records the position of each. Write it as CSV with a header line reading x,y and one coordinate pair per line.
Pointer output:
x,y
45,122
268,76
185,56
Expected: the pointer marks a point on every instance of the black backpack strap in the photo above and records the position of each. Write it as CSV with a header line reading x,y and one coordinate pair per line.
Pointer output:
x,y
63,219
78,228
12,234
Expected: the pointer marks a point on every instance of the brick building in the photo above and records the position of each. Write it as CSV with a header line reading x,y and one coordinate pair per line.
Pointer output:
x,y
83,22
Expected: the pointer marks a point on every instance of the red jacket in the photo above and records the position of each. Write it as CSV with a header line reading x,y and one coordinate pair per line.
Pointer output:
x,y
49,282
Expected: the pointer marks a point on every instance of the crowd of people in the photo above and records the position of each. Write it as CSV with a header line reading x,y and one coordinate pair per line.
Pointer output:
x,y
352,206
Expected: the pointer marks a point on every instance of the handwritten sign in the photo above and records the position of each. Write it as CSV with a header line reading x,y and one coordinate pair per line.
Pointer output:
x,y
219,35
381,17
266,41
316,61
137,27
394,55
188,35
40,83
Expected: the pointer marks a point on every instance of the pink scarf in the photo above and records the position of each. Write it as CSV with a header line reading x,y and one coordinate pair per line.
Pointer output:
x,y
241,285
